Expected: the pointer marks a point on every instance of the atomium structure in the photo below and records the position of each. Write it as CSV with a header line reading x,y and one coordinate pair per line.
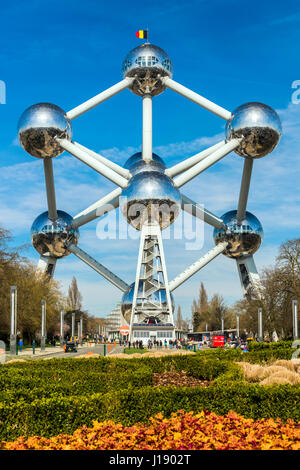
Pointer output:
x,y
148,193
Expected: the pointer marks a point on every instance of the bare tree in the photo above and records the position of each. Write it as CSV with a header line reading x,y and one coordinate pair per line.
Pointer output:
x,y
74,298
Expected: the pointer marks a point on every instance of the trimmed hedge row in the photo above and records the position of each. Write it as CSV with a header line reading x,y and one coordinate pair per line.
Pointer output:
x,y
46,398
256,355
31,381
52,416
255,346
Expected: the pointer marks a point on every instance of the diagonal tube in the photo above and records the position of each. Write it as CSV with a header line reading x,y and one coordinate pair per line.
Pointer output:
x,y
99,268
188,175
47,265
92,163
198,99
244,191
50,188
191,207
189,162
194,268
99,208
114,166
103,96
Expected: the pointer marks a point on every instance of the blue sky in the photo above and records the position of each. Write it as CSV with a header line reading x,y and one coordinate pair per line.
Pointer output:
x,y
230,52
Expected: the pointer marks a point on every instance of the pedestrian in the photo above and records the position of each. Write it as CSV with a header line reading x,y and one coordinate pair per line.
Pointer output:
x,y
20,344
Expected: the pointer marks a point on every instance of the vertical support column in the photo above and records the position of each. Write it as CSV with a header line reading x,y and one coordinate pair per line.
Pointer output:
x,y
43,329
61,328
244,191
295,319
13,319
50,188
249,276
147,128
260,326
73,325
47,265
151,275
222,324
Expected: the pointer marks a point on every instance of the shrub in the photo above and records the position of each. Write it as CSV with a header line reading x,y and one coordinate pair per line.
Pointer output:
x,y
206,431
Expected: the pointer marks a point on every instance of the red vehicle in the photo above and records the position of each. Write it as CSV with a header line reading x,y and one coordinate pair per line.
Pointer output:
x,y
218,341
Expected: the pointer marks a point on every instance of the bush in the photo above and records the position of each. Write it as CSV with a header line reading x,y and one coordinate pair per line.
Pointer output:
x,y
52,416
49,397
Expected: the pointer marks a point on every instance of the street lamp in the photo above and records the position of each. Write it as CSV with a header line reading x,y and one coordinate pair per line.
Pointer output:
x,y
61,328
295,318
13,319
81,329
260,326
222,324
73,326
43,332
237,325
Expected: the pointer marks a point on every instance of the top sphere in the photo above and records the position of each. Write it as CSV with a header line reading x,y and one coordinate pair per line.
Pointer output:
x,y
148,64
260,127
38,127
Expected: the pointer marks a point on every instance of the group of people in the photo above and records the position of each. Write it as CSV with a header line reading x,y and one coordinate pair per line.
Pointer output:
x,y
158,344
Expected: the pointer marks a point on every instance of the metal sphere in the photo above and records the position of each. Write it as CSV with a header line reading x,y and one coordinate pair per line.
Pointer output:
x,y
260,127
135,164
48,237
244,239
38,127
148,64
157,297
150,196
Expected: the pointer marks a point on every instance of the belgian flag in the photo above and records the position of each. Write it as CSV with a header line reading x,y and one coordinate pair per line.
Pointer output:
x,y
142,34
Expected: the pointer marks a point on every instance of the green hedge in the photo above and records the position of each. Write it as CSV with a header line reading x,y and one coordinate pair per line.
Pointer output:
x,y
255,346
49,397
31,381
51,416
256,355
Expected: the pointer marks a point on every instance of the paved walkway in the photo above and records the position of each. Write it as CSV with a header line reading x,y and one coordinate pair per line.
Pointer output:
x,y
57,351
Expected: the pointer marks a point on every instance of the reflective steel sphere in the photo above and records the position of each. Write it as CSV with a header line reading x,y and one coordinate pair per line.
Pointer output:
x,y
48,237
148,64
260,127
150,196
244,239
39,125
135,164
157,297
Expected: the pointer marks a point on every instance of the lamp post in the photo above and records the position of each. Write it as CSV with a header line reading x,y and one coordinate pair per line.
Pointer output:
x,y
43,332
237,325
222,324
13,319
73,325
260,326
81,329
295,318
61,328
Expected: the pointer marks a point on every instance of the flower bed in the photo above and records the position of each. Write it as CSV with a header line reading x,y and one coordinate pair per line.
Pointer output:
x,y
182,431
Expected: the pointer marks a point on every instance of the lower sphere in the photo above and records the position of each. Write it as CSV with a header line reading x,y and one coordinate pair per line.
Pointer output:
x,y
158,297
